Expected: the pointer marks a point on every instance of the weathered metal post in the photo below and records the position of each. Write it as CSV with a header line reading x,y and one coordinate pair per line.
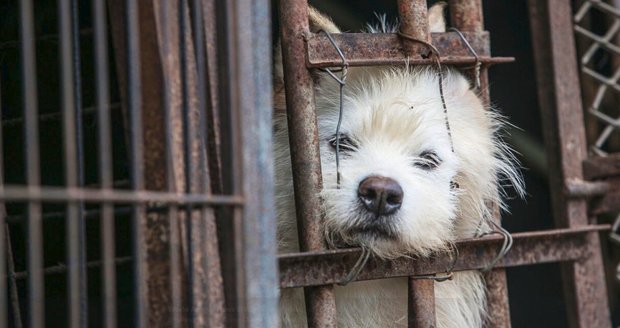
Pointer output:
x,y
305,157
562,113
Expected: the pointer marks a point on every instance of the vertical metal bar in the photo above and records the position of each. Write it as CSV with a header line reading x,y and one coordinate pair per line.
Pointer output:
x,y
194,300
34,232
259,217
108,248
68,113
211,289
421,303
562,113
413,16
77,94
305,156
467,15
498,305
17,316
134,107
3,238
212,101
173,210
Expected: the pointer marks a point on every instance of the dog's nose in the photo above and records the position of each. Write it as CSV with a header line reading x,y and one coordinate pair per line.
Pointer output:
x,y
380,195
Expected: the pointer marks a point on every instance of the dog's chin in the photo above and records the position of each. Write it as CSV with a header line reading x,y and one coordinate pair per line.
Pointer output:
x,y
379,235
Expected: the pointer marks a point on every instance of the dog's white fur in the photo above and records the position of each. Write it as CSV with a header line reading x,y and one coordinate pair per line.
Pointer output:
x,y
393,115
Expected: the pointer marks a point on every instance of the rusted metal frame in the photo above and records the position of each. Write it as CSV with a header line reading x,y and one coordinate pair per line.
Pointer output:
x,y
204,275
529,248
467,16
208,137
104,139
413,16
305,156
562,113
76,317
230,220
13,292
245,87
175,246
584,189
421,303
36,293
364,49
212,115
55,194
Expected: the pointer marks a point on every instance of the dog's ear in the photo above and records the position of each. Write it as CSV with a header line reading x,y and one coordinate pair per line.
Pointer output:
x,y
318,21
436,18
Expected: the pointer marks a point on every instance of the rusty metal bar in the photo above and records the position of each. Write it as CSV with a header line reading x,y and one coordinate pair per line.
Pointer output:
x,y
259,216
387,49
76,315
466,15
36,292
608,203
212,115
582,189
55,194
562,113
421,303
175,243
329,267
601,167
103,107
62,268
305,156
413,16
14,294
134,108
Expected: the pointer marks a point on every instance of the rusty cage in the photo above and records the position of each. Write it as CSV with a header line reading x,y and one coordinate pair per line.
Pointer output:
x,y
158,173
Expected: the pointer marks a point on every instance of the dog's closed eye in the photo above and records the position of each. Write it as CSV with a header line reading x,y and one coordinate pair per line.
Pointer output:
x,y
345,144
427,160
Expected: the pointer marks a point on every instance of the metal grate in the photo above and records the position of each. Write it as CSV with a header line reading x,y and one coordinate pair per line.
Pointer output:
x,y
145,159
160,157
599,64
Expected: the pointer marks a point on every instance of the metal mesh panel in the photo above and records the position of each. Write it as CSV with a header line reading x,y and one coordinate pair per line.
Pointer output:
x,y
598,23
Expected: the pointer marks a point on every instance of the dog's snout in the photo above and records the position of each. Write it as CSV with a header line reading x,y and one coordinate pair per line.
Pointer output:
x,y
380,195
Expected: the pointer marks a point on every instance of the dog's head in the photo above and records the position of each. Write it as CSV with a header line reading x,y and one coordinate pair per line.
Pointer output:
x,y
408,184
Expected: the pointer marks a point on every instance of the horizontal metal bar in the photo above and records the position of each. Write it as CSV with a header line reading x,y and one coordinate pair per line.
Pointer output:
x,y
57,194
54,116
602,167
43,38
62,268
580,189
329,267
367,49
94,213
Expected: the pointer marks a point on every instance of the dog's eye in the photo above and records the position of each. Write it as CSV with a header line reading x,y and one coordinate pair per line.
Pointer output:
x,y
346,144
427,160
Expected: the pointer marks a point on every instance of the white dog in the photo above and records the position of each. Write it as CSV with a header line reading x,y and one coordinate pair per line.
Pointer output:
x,y
407,187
